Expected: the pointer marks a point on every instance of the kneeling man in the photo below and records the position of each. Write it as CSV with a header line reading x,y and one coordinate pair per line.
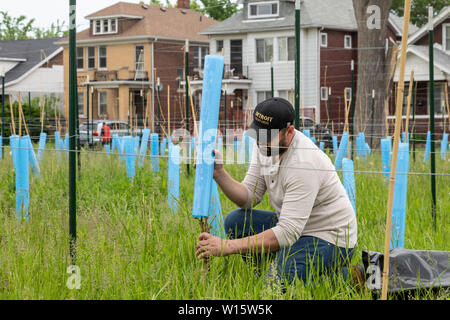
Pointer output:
x,y
314,227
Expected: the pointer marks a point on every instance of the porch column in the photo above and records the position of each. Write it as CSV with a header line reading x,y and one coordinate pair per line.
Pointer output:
x,y
124,100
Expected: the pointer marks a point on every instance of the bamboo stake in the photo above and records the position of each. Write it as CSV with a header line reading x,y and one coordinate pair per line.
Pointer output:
x,y
168,109
42,115
192,108
446,104
408,106
20,116
398,112
56,115
386,111
12,116
23,118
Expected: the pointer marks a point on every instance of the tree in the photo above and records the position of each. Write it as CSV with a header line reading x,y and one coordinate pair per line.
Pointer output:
x,y
374,66
216,9
419,9
55,31
14,28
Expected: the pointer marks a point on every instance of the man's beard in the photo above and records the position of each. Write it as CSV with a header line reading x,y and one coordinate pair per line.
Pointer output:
x,y
274,151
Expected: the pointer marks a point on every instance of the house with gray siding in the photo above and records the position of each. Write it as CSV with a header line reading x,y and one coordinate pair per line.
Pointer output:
x,y
262,36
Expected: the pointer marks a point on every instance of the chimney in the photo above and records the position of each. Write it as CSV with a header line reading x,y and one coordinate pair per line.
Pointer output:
x,y
183,4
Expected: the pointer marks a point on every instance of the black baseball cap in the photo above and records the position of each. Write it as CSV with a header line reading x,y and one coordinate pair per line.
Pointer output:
x,y
269,117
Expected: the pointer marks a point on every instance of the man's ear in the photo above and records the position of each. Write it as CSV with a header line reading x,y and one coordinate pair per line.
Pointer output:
x,y
291,130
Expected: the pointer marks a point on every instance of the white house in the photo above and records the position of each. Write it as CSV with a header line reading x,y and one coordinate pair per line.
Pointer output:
x,y
32,66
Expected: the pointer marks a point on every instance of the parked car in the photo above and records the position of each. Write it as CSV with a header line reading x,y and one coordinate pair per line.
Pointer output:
x,y
319,132
121,128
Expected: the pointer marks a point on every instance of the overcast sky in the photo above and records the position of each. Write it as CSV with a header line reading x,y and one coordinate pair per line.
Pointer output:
x,y
47,11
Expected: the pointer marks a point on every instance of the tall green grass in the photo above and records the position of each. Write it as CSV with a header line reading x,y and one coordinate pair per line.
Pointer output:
x,y
131,246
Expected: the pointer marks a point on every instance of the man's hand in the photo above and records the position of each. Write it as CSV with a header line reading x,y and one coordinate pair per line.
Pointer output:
x,y
218,164
213,246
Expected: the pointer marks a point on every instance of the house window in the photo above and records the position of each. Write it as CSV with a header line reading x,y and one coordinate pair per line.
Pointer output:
x,y
113,25
180,73
263,9
219,45
98,27
446,36
349,93
286,94
80,103
324,93
348,42
139,61
80,58
102,103
286,49
102,57
439,98
264,50
324,40
91,57
105,26
199,56
263,95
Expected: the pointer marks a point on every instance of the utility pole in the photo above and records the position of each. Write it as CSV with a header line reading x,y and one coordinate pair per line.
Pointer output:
x,y
432,155
72,118
87,109
271,78
226,119
373,117
158,89
29,109
3,106
186,74
352,107
297,65
413,133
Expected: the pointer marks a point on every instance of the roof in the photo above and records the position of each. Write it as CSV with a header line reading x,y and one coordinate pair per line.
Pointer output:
x,y
397,23
330,14
444,14
155,21
30,54
441,58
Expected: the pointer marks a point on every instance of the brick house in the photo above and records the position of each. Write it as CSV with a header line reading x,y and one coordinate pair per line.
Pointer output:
x,y
33,66
127,47
417,59
263,34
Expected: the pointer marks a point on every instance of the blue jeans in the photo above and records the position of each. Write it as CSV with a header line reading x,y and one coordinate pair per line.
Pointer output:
x,y
308,256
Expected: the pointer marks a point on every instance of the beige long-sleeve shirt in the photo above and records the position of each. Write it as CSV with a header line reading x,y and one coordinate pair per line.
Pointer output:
x,y
306,192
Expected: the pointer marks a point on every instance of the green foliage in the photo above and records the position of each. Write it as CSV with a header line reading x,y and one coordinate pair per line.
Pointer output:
x,y
20,28
216,9
131,246
55,31
419,9
14,28
33,119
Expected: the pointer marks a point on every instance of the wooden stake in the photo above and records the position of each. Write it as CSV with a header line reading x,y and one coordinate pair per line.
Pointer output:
x,y
447,105
12,115
408,106
168,109
192,108
20,116
42,115
398,119
23,118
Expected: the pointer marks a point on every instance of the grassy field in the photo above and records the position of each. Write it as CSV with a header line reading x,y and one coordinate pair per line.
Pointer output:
x,y
131,246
